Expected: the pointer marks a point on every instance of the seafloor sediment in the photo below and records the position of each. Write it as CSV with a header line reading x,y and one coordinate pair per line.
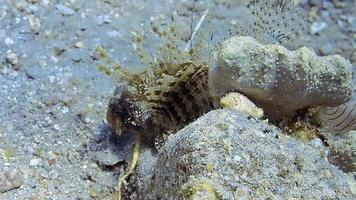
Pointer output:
x,y
53,98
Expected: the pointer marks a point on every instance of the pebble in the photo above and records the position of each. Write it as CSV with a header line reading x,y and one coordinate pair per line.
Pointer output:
x,y
43,173
64,10
317,27
103,19
35,162
47,121
34,22
45,2
59,50
76,57
10,180
9,41
53,174
52,157
78,45
12,58
56,127
20,6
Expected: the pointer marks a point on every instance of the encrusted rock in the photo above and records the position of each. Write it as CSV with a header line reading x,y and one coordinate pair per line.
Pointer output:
x,y
343,152
278,80
227,155
10,180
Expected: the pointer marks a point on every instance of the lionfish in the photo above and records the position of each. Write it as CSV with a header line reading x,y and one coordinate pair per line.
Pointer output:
x,y
162,102
170,93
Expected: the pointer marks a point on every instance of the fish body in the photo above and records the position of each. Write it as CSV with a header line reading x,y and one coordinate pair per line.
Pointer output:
x,y
161,101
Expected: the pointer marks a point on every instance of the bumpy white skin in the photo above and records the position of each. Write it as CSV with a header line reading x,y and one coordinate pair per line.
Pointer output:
x,y
279,80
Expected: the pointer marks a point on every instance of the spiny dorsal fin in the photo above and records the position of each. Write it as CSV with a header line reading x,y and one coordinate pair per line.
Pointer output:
x,y
168,77
181,97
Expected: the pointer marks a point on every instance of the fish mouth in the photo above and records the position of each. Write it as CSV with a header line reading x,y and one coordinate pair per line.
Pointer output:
x,y
112,116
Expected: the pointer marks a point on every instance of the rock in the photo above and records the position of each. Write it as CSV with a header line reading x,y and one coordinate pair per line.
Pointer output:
x,y
51,157
247,160
78,45
64,10
35,162
34,22
76,57
317,27
103,19
53,174
10,180
12,58
278,80
343,152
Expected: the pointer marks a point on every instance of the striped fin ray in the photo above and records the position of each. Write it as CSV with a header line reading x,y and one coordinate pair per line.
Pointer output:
x,y
198,85
181,97
340,119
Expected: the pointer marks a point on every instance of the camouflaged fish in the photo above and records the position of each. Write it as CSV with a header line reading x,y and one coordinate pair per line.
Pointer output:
x,y
161,101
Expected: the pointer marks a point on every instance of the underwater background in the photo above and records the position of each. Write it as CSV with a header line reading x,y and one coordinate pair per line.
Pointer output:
x,y
60,62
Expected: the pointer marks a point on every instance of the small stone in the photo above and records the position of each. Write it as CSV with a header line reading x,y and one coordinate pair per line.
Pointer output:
x,y
53,174
47,121
52,157
10,180
9,152
78,45
352,184
59,50
64,10
9,41
20,6
76,57
87,120
56,127
34,22
12,58
317,27
35,162
37,151
45,2
93,193
44,174
103,20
